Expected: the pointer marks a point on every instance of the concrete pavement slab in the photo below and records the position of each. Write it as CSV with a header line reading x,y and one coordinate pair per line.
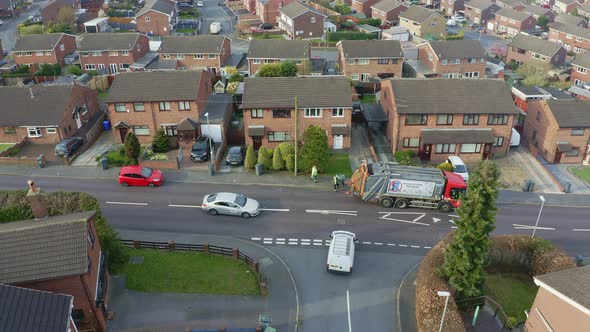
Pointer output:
x,y
563,175
103,144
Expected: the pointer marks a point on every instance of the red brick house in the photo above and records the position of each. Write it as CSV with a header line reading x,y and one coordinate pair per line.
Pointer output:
x,y
574,38
67,259
581,69
523,95
300,21
46,113
268,10
157,18
145,102
207,52
388,11
537,12
443,117
23,309
35,50
565,6
524,48
568,19
584,10
370,60
480,11
268,51
111,53
559,130
453,58
450,7
514,4
510,22
363,6
321,101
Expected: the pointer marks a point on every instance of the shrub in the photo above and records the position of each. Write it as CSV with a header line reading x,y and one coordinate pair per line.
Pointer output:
x,y
158,156
265,157
236,78
278,162
160,142
404,157
74,70
47,69
290,163
315,149
250,159
132,149
446,166
92,73
287,149
349,35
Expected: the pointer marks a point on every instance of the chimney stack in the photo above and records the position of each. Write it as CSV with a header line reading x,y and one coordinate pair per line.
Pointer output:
x,y
37,200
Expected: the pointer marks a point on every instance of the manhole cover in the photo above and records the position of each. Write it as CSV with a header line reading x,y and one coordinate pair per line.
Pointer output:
x,y
136,260
341,221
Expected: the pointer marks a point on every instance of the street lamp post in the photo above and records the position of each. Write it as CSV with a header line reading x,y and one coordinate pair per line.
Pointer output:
x,y
538,216
446,295
210,143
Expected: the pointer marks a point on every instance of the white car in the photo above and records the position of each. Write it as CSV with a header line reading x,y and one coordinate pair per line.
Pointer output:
x,y
231,204
1,22
199,3
459,167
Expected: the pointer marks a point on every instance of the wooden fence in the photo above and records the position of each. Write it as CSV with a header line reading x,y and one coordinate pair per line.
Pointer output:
x,y
206,249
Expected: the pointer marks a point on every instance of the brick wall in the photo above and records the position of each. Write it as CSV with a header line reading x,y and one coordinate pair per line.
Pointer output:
x,y
512,28
140,48
390,16
571,43
158,25
310,30
56,56
425,52
555,60
579,78
192,62
559,314
365,7
449,7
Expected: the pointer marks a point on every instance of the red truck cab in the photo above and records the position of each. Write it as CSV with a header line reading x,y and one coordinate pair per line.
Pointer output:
x,y
454,188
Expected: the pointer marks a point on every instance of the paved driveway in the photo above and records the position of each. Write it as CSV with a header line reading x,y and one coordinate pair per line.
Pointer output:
x,y
103,144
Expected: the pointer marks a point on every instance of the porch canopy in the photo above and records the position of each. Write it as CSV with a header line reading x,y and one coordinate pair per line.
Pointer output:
x,y
564,146
457,136
255,131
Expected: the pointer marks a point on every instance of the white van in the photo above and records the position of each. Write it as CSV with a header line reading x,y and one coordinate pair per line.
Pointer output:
x,y
459,167
515,139
341,252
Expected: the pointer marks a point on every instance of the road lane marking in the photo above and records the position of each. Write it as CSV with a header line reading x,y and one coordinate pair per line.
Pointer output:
x,y
280,239
366,242
276,210
581,229
346,213
280,242
435,220
425,247
518,226
186,206
317,244
385,216
305,243
348,307
403,245
415,246
268,239
304,240
255,239
454,227
267,242
127,203
378,243
391,244
453,215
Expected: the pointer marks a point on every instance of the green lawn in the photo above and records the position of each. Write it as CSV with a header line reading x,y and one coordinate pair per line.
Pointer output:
x,y
368,99
267,36
515,292
581,172
183,272
116,158
186,30
339,164
103,94
5,146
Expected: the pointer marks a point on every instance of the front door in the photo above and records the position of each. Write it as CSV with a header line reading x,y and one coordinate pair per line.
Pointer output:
x,y
426,150
113,67
123,132
256,142
78,120
487,151
338,142
557,158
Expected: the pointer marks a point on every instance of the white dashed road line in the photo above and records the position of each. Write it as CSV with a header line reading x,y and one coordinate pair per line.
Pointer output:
x,y
366,242
186,206
127,203
320,242
276,210
581,229
403,245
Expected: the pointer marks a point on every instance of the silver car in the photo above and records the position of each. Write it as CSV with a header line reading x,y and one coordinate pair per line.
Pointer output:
x,y
231,204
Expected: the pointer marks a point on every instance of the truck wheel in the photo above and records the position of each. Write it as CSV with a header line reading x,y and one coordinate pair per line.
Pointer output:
x,y
386,202
445,207
402,203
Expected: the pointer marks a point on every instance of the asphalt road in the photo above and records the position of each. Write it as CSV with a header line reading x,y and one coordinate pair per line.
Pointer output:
x,y
8,32
297,215
212,12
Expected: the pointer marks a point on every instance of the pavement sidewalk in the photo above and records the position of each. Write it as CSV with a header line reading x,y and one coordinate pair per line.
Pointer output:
x,y
151,312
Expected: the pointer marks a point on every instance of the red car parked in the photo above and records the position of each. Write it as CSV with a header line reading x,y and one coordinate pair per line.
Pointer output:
x,y
140,176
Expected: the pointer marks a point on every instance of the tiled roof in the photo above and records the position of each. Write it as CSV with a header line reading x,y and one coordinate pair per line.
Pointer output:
x,y
162,6
572,283
571,29
570,19
570,113
36,105
310,91
202,44
536,10
534,44
371,49
23,309
513,14
296,8
387,5
457,136
417,14
582,60
218,106
44,42
452,49
33,250
279,49
479,4
452,96
585,8
107,41
155,86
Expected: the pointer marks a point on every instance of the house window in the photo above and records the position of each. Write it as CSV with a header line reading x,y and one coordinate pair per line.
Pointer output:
x,y
430,57
138,107
113,53
256,113
472,60
201,56
180,56
96,53
498,141
354,77
279,136
281,113
166,56
141,130
90,237
578,39
170,130
394,61
471,119
539,116
312,19
9,130
416,119
577,131
51,131
90,66
351,61
573,152
256,61
445,62
581,70
568,36
34,132
470,148
147,19
474,74
124,52
62,47
48,52
444,119
363,61
445,148
411,142
313,112
338,112
124,66
165,106
120,108
497,119
184,105
456,61
383,61
212,56
578,50
39,53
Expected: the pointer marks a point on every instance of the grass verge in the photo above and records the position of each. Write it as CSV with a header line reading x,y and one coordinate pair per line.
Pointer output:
x,y
579,171
267,36
339,164
5,146
184,272
515,292
368,99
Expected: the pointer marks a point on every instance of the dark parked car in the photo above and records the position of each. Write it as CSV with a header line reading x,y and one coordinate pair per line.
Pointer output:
x,y
266,26
68,146
185,6
235,156
201,149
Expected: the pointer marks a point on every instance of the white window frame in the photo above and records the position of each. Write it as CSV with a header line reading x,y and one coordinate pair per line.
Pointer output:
x,y
314,112
430,57
124,52
147,19
184,105
141,131
34,132
470,148
179,56
212,56
164,106
51,131
498,141
48,52
113,53
364,62
354,77
120,108
90,66
166,56
96,53
201,57
255,61
581,70
339,112
351,61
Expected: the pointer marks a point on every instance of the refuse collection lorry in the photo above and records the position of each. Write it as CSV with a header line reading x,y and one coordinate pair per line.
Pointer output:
x,y
392,185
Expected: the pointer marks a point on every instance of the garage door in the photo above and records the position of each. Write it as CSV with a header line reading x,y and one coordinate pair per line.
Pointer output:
x,y
215,132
